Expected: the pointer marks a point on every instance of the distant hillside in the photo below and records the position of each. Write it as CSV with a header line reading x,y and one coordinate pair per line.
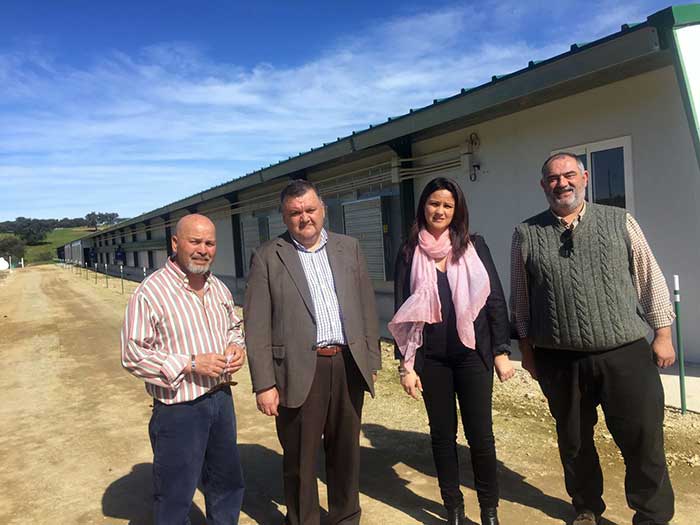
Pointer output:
x,y
46,250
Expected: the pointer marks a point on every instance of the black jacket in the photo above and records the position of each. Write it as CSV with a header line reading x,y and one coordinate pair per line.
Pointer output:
x,y
491,327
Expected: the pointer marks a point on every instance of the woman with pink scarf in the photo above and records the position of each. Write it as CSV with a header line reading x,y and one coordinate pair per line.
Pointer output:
x,y
451,329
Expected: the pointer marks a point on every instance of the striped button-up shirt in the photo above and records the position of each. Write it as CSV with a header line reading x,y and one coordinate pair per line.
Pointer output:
x,y
317,269
166,323
649,282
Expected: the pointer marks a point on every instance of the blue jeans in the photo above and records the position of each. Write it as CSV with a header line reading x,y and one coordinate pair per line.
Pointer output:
x,y
196,441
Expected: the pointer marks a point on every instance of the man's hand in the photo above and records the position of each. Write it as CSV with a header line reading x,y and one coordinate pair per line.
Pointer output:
x,y
268,401
411,384
662,345
210,365
528,357
504,368
235,358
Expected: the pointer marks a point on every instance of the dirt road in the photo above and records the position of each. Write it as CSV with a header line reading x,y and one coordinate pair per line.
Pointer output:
x,y
75,450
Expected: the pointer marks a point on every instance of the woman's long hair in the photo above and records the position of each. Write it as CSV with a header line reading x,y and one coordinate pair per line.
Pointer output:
x,y
459,227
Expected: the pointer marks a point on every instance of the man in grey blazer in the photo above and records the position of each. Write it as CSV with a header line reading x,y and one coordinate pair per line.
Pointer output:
x,y
312,337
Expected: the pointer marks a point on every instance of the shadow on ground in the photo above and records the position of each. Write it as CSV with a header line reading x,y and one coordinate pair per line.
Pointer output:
x,y
379,480
130,497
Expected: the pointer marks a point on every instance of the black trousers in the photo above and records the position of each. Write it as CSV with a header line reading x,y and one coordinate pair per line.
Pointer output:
x,y
625,381
461,375
330,415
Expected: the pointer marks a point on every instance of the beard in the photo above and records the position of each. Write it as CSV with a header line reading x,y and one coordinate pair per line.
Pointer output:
x,y
198,269
567,205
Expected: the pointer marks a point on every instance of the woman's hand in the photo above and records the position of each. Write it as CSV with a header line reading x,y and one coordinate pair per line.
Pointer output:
x,y
411,383
504,368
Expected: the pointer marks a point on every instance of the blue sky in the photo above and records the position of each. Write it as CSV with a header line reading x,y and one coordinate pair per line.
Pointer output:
x,y
127,106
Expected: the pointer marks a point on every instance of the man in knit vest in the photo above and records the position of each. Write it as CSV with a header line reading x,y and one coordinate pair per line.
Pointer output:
x,y
585,290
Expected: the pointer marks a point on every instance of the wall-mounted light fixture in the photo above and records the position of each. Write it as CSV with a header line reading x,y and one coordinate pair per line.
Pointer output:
x,y
470,163
474,172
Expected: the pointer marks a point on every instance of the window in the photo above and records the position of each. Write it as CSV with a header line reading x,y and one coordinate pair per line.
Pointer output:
x,y
609,164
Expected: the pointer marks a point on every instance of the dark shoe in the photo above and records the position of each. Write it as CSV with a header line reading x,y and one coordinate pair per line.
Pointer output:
x,y
455,516
489,516
586,517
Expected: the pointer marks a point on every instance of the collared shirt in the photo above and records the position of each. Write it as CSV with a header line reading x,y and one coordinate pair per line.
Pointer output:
x,y
317,269
649,282
166,323
570,225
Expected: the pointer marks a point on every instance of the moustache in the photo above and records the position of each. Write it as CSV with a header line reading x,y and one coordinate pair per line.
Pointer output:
x,y
561,191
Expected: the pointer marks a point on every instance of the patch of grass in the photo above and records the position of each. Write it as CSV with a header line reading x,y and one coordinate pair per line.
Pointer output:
x,y
46,250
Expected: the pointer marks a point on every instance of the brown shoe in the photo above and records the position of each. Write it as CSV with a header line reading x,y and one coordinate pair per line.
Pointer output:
x,y
586,517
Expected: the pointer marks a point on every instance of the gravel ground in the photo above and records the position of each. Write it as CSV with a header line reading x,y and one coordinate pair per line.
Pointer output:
x,y
75,450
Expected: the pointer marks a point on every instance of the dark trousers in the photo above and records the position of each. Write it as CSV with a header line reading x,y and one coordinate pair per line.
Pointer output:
x,y
330,415
196,441
626,383
462,374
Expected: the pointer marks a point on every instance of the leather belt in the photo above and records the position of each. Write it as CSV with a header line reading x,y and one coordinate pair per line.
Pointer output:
x,y
221,386
330,351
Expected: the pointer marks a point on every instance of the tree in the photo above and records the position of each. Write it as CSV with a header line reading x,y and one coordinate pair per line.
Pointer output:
x,y
12,246
91,220
110,218
95,219
33,231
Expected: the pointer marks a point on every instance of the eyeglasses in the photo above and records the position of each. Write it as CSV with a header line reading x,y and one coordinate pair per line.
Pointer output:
x,y
567,243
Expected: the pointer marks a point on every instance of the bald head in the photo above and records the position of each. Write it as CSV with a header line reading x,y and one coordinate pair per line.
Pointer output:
x,y
192,220
194,244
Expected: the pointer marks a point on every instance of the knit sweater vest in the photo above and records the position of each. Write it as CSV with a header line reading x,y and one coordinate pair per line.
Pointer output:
x,y
582,296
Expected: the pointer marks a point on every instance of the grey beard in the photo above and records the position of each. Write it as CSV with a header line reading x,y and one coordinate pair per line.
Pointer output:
x,y
561,207
197,269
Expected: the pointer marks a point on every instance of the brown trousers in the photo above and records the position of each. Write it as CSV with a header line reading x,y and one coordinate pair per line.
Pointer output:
x,y
330,415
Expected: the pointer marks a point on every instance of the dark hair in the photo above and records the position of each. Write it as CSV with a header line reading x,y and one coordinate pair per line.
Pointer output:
x,y
297,188
459,227
561,155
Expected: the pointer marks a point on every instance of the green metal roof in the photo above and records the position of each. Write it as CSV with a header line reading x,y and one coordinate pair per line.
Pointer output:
x,y
636,48
676,16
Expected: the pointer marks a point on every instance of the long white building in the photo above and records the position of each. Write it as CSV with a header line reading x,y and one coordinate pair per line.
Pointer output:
x,y
628,104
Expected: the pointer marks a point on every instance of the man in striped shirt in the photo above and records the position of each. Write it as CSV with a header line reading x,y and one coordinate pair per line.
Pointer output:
x,y
585,291
183,338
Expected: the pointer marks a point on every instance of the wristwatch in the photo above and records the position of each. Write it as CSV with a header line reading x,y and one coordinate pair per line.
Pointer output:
x,y
194,364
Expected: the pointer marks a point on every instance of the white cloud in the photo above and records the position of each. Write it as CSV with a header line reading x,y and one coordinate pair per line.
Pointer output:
x,y
203,122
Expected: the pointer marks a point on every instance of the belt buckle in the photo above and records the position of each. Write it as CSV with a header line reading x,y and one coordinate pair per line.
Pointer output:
x,y
328,351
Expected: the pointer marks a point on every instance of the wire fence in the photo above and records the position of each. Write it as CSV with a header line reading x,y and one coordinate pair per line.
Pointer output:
x,y
123,279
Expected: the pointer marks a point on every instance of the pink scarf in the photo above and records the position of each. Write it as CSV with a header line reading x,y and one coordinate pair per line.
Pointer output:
x,y
469,283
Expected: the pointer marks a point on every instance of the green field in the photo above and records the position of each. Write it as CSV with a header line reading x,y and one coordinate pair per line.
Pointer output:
x,y
46,251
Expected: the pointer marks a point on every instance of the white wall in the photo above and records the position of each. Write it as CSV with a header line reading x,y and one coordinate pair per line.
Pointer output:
x,y
218,211
647,108
157,229
77,252
159,258
140,231
143,259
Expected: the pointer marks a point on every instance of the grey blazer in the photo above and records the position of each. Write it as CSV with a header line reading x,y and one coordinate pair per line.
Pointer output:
x,y
280,329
